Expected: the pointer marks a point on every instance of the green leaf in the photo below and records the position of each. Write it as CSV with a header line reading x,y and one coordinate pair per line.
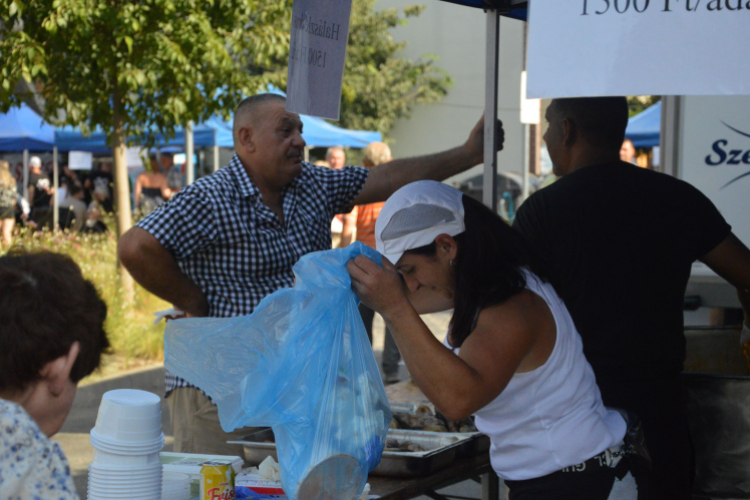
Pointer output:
x,y
12,9
129,43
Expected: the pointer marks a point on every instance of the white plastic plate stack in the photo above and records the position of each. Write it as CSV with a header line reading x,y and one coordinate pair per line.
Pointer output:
x,y
127,440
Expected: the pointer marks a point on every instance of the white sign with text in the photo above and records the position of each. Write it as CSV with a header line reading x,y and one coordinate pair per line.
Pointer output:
x,y
133,157
638,47
317,50
80,160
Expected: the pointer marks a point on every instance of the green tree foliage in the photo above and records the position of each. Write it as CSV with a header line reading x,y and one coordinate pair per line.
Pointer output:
x,y
137,67
638,103
156,63
380,87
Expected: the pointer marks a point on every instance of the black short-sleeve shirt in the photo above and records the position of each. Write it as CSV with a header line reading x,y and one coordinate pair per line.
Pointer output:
x,y
620,241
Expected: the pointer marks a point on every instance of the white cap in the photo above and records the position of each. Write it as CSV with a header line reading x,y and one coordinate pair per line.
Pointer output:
x,y
415,215
35,162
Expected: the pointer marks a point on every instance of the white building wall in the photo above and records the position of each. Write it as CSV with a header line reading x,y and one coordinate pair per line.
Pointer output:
x,y
457,35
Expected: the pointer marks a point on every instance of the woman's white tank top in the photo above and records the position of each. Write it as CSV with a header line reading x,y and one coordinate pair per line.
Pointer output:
x,y
552,417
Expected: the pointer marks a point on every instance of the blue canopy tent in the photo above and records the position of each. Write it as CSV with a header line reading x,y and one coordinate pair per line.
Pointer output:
x,y
645,127
514,9
217,132
22,129
72,139
315,132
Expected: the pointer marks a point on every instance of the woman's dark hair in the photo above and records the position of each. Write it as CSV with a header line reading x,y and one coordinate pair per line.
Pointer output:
x,y
45,306
488,267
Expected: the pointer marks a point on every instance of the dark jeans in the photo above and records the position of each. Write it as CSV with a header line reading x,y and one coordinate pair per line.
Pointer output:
x,y
391,356
661,405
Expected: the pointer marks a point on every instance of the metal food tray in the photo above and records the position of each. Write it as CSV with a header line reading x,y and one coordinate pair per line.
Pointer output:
x,y
443,449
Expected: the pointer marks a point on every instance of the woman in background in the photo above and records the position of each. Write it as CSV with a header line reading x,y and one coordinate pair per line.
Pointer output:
x,y
8,194
151,189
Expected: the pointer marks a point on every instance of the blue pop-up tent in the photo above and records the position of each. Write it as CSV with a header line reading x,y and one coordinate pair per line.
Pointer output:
x,y
218,132
22,129
645,127
72,139
315,131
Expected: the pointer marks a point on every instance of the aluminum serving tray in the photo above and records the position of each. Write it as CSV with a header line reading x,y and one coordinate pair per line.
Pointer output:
x,y
442,449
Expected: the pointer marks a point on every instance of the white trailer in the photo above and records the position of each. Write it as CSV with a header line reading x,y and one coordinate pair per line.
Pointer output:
x,y
705,140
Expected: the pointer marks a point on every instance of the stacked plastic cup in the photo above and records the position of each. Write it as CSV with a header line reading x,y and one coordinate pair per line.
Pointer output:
x,y
127,440
175,486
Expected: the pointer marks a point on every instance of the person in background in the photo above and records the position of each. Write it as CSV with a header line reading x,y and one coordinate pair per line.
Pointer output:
x,y
8,195
101,185
151,188
229,239
336,158
620,242
70,177
175,181
74,202
376,153
627,152
52,336
93,223
40,187
62,193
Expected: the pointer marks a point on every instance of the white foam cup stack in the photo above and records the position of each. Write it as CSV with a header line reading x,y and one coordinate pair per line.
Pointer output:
x,y
127,439
175,486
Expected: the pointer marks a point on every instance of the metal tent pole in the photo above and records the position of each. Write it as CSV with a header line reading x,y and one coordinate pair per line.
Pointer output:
x,y
526,160
190,167
26,175
489,184
216,157
55,194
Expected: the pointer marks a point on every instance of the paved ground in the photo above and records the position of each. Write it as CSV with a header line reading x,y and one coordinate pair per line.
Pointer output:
x,y
74,437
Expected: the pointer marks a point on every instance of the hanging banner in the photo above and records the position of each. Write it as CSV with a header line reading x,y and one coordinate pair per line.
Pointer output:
x,y
638,47
320,29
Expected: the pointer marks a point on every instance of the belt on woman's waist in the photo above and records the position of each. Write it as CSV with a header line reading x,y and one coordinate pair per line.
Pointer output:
x,y
632,446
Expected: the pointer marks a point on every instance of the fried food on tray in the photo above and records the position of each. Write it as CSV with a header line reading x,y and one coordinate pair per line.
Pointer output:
x,y
402,446
424,419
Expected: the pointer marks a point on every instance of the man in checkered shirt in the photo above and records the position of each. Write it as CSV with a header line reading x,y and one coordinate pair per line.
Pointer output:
x,y
228,240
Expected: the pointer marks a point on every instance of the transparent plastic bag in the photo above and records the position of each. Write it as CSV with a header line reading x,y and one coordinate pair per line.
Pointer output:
x,y
302,364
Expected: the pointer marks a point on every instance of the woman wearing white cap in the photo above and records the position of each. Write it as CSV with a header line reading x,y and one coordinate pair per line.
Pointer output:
x,y
512,358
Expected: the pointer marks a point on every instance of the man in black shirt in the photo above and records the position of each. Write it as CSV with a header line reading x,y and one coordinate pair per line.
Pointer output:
x,y
40,187
620,242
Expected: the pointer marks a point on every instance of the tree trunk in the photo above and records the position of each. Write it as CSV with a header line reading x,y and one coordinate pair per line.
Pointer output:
x,y
122,194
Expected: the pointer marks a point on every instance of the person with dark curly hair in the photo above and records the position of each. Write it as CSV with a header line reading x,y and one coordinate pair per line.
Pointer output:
x,y
51,336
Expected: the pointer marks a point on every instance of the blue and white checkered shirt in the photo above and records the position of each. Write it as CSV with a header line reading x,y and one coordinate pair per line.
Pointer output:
x,y
234,247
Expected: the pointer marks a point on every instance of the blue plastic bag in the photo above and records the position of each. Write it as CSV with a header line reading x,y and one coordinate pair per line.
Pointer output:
x,y
302,364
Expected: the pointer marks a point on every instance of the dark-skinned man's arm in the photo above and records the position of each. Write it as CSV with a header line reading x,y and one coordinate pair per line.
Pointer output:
x,y
731,260
154,268
385,179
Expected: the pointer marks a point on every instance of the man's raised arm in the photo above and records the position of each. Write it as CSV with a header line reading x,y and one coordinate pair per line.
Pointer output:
x,y
385,179
154,268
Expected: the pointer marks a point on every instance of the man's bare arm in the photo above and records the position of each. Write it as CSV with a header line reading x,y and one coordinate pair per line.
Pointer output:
x,y
154,268
385,179
731,261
